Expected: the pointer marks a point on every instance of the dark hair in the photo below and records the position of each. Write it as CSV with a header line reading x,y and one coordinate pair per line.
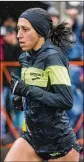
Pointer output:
x,y
62,36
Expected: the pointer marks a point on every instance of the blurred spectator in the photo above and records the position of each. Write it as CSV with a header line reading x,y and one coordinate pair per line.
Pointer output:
x,y
54,13
73,13
10,21
1,49
77,108
76,111
11,35
11,51
11,47
76,52
75,74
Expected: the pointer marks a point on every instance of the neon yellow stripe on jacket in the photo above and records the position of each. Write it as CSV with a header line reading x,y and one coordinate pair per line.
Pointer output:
x,y
58,75
34,76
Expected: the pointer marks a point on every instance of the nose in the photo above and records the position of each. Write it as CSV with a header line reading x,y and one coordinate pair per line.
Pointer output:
x,y
20,34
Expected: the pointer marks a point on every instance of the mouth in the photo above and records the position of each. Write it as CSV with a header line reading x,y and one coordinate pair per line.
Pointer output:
x,y
21,43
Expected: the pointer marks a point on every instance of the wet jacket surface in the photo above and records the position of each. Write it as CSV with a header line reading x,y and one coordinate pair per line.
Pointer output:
x,y
50,95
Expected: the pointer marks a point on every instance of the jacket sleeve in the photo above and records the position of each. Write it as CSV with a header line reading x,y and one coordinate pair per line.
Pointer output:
x,y
61,95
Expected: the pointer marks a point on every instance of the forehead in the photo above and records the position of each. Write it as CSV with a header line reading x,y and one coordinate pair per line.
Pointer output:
x,y
23,22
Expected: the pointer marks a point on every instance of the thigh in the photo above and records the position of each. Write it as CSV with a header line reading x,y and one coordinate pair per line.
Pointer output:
x,y
72,156
22,151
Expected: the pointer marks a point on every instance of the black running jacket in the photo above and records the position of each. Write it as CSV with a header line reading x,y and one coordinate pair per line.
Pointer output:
x,y
50,95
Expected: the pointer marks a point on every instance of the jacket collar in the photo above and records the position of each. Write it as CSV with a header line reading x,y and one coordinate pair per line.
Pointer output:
x,y
47,45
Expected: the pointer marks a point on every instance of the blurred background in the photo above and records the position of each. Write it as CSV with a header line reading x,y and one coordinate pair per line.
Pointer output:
x,y
72,13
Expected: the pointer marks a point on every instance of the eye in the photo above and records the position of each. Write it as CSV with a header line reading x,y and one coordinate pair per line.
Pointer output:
x,y
25,29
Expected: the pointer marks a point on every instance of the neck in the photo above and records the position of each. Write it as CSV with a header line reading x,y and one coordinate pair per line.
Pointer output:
x,y
39,44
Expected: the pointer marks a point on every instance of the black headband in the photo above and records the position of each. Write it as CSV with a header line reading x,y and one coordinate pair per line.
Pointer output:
x,y
39,21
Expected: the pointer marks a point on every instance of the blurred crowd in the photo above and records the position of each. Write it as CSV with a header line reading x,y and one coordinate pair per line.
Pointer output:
x,y
10,51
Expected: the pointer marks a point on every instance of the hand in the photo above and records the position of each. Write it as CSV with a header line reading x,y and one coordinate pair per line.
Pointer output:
x,y
17,103
18,86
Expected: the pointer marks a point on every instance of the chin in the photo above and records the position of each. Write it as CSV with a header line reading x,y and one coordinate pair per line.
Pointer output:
x,y
25,49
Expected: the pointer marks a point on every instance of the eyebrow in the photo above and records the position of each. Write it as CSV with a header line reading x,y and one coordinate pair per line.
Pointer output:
x,y
23,26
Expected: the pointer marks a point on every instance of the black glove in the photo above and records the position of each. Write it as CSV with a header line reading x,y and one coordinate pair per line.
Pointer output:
x,y
17,103
18,87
